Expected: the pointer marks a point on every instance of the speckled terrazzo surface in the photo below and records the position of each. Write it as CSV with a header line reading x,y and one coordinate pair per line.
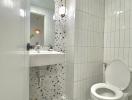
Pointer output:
x,y
46,82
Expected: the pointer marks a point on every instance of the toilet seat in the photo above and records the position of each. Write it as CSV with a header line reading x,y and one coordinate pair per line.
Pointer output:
x,y
116,93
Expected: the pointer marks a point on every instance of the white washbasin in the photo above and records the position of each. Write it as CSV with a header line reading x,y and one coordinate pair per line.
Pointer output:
x,y
42,58
33,52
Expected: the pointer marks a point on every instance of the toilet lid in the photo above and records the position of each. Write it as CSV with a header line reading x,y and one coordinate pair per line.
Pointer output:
x,y
117,74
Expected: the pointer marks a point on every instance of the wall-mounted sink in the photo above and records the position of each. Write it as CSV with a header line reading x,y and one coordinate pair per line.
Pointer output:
x,y
42,58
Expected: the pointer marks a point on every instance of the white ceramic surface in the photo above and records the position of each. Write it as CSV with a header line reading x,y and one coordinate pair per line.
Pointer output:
x,y
42,58
118,74
107,92
117,77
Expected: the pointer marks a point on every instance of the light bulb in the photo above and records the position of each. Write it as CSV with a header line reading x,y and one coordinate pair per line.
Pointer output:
x,y
37,31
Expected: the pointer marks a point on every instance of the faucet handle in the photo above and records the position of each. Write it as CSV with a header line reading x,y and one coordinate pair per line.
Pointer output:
x,y
29,46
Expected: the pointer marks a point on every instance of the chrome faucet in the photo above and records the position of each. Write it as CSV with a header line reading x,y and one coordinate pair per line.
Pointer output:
x,y
37,47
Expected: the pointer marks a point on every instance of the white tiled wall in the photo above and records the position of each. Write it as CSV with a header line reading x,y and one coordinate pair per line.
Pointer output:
x,y
118,28
93,42
85,46
118,31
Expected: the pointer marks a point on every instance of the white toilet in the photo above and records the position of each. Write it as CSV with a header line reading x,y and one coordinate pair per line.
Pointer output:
x,y
117,81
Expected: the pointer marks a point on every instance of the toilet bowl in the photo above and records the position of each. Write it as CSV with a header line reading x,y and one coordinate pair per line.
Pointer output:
x,y
103,91
117,78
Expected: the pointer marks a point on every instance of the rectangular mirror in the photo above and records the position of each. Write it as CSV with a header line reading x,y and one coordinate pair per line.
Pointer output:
x,y
36,28
42,25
